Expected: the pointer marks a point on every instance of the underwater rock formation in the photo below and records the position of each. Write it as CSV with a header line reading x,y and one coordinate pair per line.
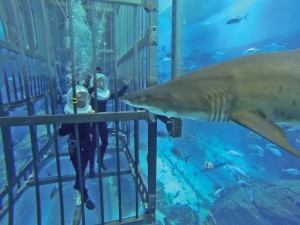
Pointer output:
x,y
173,214
272,203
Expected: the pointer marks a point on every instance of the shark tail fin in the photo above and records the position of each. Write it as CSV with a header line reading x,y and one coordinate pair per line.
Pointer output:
x,y
265,128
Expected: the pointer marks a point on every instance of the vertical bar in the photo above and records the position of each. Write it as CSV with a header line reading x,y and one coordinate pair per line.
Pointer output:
x,y
177,19
145,71
21,85
27,21
58,166
115,47
136,122
9,162
50,58
59,58
29,80
44,85
152,47
150,81
34,144
38,78
140,75
23,64
118,170
72,56
128,28
152,155
94,37
34,78
136,165
14,80
46,104
7,85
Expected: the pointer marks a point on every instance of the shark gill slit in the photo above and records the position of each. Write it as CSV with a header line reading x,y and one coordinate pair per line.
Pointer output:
x,y
227,106
211,100
219,104
223,108
219,108
213,106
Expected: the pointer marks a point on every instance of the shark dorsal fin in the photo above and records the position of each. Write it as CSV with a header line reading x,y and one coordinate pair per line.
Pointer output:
x,y
265,128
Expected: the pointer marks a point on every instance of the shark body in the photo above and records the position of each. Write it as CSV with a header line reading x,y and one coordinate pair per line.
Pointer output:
x,y
256,91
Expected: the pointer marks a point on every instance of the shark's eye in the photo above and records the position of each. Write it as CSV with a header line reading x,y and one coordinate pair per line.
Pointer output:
x,y
142,99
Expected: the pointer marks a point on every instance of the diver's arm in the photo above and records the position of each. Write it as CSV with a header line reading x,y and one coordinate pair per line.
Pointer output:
x,y
122,91
64,129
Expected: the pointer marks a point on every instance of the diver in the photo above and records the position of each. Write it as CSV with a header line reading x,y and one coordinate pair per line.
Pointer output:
x,y
84,132
103,95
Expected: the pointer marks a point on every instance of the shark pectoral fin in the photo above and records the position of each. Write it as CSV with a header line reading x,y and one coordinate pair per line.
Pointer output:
x,y
265,128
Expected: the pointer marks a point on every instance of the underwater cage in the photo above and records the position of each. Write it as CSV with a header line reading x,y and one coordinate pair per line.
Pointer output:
x,y
48,47
161,170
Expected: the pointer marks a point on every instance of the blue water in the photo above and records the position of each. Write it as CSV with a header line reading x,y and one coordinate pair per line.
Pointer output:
x,y
187,192
208,39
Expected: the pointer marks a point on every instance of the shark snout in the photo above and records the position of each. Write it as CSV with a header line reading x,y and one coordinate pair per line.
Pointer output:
x,y
134,99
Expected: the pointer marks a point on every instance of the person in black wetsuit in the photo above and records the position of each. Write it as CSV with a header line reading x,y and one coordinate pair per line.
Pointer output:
x,y
84,132
103,95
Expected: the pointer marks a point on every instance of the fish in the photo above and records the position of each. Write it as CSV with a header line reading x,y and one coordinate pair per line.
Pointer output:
x,y
237,170
236,19
257,148
244,183
218,193
257,91
251,51
291,171
208,165
190,137
254,135
270,145
166,59
177,194
275,151
273,47
54,192
234,153
178,153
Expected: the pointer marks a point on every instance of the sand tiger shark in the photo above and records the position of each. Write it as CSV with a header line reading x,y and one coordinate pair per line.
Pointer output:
x,y
257,91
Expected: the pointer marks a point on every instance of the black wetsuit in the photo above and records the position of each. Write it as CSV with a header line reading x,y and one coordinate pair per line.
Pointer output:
x,y
103,132
84,132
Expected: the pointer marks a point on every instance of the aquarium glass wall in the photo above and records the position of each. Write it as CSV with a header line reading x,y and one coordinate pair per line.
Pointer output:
x,y
223,173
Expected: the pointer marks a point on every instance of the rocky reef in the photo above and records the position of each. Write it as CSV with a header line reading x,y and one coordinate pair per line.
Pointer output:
x,y
264,203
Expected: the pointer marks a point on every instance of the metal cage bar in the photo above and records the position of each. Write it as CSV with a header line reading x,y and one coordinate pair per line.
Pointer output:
x,y
50,59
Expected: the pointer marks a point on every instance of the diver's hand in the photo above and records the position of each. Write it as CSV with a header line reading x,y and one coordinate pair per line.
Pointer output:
x,y
126,82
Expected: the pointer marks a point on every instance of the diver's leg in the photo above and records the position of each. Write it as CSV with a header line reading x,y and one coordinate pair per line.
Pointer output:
x,y
103,132
84,161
